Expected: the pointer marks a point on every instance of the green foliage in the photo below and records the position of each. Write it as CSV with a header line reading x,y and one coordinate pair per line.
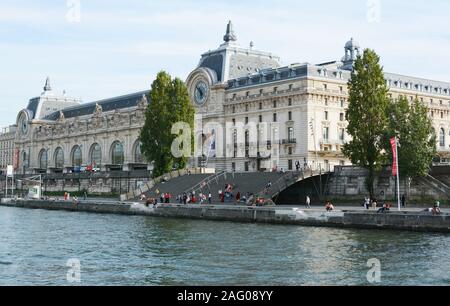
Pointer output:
x,y
410,123
366,115
169,103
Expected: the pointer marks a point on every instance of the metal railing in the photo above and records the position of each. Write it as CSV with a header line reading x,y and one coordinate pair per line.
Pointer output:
x,y
205,182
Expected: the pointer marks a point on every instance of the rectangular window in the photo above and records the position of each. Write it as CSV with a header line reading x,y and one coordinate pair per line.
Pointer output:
x,y
260,118
290,134
246,166
233,109
260,105
246,120
341,117
246,107
342,103
291,86
274,104
275,117
290,150
325,115
342,134
290,102
326,101
326,133
233,166
290,164
325,86
289,115
234,121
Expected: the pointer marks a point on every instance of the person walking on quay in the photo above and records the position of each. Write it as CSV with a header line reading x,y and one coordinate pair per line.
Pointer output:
x,y
403,200
367,203
308,202
209,198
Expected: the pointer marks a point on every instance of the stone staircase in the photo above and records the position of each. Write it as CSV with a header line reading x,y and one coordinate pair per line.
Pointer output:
x,y
163,179
436,185
252,183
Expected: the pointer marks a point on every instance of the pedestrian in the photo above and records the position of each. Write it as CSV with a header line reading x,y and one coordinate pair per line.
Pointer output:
x,y
366,202
374,203
308,202
403,200
238,197
329,206
209,198
386,207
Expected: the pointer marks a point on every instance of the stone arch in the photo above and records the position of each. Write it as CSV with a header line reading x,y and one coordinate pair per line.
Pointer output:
x,y
58,158
43,159
137,156
95,154
117,153
76,156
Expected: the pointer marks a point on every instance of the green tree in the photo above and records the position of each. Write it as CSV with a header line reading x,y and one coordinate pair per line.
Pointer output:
x,y
410,123
169,103
366,115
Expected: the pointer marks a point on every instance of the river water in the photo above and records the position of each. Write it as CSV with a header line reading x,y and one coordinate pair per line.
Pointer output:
x,y
36,245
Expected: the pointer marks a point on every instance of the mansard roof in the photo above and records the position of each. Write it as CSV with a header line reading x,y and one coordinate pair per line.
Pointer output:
x,y
107,105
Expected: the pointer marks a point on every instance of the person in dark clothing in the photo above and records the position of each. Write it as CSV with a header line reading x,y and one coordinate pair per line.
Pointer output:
x,y
403,200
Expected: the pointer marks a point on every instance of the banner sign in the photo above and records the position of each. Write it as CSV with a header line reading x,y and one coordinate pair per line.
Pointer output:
x,y
394,156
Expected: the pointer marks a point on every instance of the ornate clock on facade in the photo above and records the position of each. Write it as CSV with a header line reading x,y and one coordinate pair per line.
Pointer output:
x,y
201,92
23,124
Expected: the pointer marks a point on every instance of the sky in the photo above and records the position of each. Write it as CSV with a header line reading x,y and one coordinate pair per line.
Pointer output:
x,y
96,49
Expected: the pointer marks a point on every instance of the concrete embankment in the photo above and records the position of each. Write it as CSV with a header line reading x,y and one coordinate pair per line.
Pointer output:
x,y
408,220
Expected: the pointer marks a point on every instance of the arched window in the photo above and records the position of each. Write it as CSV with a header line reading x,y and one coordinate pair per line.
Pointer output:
x,y
138,158
96,155
442,137
59,158
117,154
43,159
77,157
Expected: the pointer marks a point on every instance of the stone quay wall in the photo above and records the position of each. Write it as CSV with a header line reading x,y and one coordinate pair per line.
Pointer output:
x,y
407,220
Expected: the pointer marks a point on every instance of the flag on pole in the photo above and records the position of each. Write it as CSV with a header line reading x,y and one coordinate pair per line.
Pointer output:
x,y
394,156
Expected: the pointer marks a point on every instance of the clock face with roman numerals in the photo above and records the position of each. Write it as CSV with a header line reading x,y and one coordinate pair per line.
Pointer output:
x,y
201,93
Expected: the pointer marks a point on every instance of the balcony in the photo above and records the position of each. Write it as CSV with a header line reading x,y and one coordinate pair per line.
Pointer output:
x,y
289,141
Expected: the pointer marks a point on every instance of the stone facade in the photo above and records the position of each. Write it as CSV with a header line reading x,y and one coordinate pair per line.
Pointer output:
x,y
7,138
241,96
304,105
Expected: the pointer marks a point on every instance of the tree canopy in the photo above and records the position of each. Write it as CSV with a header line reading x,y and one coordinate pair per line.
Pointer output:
x,y
366,114
169,104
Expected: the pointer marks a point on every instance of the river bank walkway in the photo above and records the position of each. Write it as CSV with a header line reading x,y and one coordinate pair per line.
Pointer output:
x,y
414,219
